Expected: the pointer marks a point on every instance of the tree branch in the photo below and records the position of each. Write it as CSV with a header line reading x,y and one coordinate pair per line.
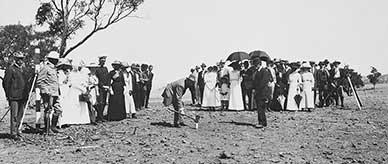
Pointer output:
x,y
79,43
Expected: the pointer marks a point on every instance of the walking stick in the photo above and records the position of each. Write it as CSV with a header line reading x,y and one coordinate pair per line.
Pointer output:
x,y
195,119
28,101
5,114
355,94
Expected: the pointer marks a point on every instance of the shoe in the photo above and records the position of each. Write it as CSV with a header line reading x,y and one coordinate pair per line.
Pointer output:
x,y
54,123
182,124
259,126
177,125
134,116
56,130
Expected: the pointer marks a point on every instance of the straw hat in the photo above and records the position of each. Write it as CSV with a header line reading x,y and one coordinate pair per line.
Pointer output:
x,y
53,55
305,65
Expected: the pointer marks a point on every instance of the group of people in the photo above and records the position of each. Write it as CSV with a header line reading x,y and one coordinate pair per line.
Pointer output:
x,y
76,93
262,84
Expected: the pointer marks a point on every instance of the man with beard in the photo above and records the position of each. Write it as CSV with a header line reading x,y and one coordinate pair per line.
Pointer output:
x,y
103,87
48,84
261,79
16,86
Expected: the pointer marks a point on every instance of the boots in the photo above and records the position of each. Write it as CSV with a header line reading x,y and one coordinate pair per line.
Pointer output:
x,y
47,128
54,123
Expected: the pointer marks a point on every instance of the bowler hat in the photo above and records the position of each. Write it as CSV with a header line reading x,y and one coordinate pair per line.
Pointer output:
x,y
326,61
203,65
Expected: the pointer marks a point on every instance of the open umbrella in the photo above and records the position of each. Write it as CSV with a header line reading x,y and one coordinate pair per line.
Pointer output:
x,y
259,54
238,56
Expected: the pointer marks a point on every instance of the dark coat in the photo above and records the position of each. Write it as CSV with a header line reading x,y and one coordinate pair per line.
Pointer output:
x,y
15,83
261,81
103,76
201,80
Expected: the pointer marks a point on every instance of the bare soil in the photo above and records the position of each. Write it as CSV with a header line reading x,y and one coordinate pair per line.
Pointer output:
x,y
326,135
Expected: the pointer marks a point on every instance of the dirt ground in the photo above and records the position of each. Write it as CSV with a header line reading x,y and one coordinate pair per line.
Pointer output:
x,y
326,135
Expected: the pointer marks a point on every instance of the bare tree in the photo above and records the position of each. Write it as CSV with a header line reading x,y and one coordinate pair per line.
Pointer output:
x,y
66,17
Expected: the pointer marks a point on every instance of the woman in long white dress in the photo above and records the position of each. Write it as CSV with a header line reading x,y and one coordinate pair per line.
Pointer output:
x,y
74,110
294,82
129,102
235,94
308,85
211,95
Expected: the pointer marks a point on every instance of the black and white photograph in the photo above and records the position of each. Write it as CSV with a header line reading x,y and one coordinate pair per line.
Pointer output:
x,y
193,81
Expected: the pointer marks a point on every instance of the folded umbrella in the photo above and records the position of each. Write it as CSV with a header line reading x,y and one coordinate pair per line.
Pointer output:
x,y
238,56
298,99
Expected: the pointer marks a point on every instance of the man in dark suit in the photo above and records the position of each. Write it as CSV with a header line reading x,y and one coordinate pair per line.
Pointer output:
x,y
201,82
103,87
246,85
149,84
261,79
15,84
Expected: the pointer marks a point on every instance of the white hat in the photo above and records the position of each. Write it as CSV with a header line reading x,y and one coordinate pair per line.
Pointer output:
x,y
53,55
305,65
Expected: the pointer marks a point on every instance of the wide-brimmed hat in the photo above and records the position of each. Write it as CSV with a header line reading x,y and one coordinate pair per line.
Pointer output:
x,y
336,62
235,63
64,62
294,65
53,55
92,64
125,64
18,55
116,62
306,65
102,57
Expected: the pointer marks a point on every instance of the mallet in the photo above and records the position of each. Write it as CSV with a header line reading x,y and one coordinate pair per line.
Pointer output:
x,y
195,119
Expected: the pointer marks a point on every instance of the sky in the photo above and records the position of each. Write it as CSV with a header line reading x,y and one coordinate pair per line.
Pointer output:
x,y
176,35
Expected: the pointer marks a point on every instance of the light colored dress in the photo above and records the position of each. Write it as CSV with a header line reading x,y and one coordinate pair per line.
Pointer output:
x,y
235,94
75,111
129,102
307,93
294,82
211,95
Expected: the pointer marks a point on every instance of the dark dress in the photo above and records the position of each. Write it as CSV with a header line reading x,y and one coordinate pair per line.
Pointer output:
x,y
116,108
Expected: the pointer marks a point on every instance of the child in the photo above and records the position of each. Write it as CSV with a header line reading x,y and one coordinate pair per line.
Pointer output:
x,y
224,91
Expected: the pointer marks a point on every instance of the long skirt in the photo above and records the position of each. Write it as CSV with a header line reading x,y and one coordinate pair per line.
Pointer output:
x,y
235,99
129,103
116,108
74,111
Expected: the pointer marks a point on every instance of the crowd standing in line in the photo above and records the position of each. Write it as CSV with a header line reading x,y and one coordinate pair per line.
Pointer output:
x,y
72,93
262,84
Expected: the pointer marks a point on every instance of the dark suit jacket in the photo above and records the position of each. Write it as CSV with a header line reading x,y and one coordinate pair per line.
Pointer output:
x,y
15,83
261,81
201,80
